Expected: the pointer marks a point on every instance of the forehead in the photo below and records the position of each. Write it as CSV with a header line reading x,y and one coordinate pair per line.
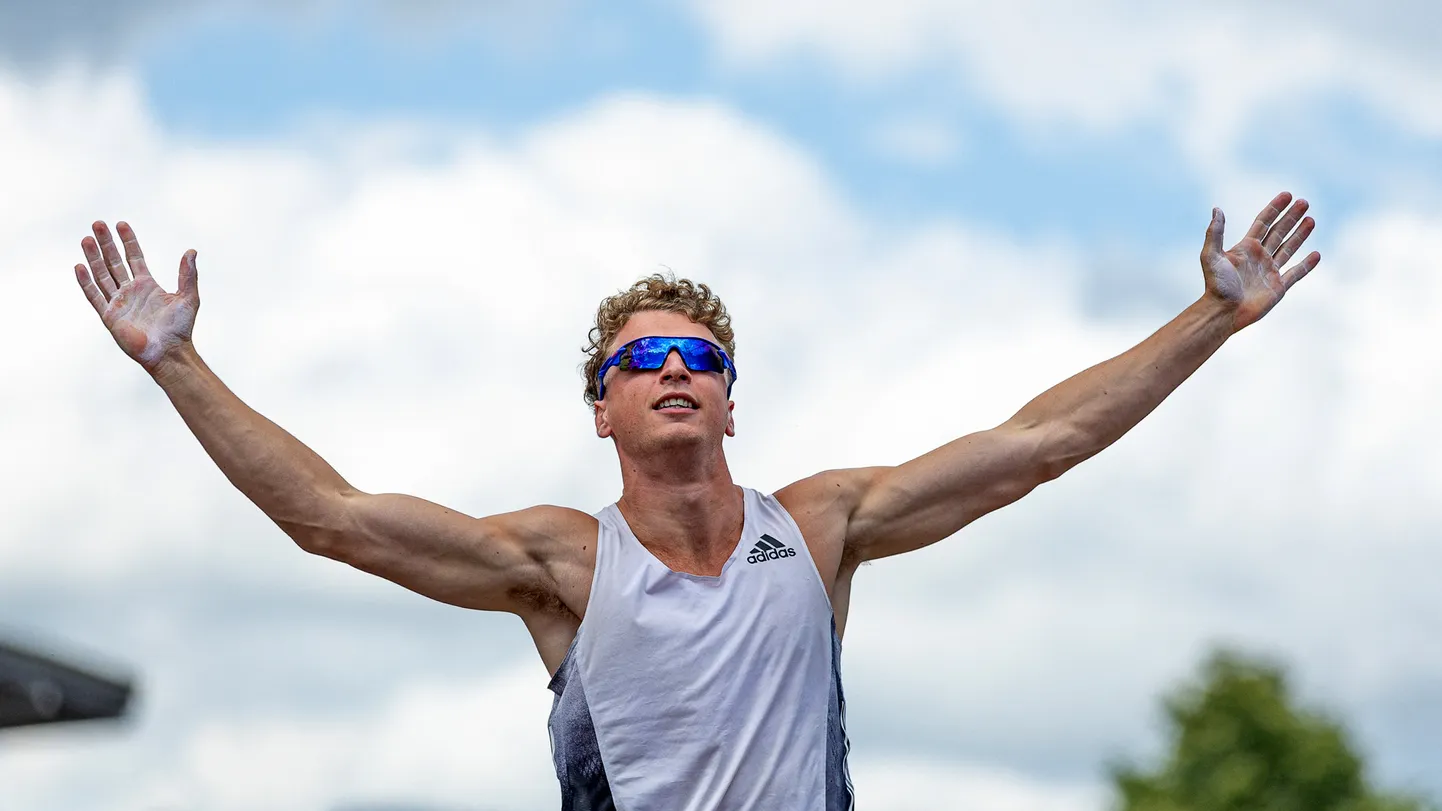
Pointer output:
x,y
659,322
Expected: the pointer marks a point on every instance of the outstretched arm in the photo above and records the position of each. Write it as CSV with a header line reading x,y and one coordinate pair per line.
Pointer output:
x,y
901,508
494,563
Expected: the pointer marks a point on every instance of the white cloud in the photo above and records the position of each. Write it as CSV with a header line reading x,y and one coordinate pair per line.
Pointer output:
x,y
916,785
59,32
419,326
1272,502
1206,72
465,744
458,744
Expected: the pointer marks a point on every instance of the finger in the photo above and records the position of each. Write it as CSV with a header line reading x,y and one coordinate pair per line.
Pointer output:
x,y
133,256
189,278
1299,270
1295,240
92,293
1268,216
113,262
1213,242
1284,226
97,267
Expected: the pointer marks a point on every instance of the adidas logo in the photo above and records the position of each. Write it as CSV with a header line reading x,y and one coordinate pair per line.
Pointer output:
x,y
770,549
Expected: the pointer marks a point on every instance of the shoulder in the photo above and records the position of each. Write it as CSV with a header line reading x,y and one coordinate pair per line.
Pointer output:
x,y
561,543
822,506
544,532
840,481
829,493
544,525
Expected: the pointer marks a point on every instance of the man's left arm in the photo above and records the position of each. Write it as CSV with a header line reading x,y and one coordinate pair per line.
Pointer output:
x,y
898,509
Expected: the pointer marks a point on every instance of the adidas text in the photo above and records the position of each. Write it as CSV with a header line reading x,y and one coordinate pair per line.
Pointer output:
x,y
772,555
770,549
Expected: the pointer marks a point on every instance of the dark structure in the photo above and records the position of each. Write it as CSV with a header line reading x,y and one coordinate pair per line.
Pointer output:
x,y
37,689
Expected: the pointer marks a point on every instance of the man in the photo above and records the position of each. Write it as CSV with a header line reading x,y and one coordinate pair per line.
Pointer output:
x,y
692,629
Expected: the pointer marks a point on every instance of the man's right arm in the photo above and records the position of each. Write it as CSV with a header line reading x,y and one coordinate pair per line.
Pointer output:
x,y
504,563
497,563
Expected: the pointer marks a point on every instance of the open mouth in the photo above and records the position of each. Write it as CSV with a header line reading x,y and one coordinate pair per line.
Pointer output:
x,y
683,403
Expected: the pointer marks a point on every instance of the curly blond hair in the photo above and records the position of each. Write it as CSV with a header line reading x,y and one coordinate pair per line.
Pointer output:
x,y
655,292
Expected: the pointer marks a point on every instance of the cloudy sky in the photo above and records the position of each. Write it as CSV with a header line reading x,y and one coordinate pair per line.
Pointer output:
x,y
921,214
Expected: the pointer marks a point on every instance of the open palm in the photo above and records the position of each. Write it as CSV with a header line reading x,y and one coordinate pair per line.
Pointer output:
x,y
1249,276
145,320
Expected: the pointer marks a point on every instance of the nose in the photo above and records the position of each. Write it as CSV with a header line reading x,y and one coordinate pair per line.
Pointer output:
x,y
675,368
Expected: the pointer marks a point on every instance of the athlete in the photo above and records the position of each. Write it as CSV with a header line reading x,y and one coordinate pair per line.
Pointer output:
x,y
692,629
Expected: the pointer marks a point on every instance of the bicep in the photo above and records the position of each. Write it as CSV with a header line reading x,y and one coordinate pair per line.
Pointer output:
x,y
933,496
496,563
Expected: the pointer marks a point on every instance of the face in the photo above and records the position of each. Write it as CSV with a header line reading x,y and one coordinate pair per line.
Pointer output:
x,y
630,412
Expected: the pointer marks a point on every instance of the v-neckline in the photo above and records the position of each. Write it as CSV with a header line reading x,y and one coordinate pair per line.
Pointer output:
x,y
740,542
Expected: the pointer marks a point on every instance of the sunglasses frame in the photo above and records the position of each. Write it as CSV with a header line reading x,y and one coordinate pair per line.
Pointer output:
x,y
617,359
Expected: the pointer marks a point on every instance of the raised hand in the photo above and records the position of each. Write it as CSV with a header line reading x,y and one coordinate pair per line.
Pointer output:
x,y
1249,276
145,321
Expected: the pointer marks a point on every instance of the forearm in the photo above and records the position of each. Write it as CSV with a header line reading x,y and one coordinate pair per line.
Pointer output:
x,y
1097,407
288,481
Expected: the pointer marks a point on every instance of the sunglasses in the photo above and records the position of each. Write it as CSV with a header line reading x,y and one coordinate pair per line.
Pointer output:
x,y
699,355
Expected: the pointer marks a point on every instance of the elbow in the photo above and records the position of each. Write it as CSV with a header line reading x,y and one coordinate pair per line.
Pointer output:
x,y
1060,448
321,530
1049,471
324,544
314,540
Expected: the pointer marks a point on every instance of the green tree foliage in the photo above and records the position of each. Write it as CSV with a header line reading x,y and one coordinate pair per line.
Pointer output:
x,y
1240,744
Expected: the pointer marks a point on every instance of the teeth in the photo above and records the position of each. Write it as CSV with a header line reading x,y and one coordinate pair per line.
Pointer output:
x,y
674,401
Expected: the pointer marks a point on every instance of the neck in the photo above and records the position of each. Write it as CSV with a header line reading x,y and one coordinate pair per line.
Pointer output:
x,y
683,507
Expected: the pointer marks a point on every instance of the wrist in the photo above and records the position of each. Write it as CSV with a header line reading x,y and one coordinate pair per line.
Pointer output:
x,y
174,364
1214,307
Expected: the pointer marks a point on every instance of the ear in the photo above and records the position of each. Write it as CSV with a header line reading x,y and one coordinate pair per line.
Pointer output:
x,y
603,428
730,418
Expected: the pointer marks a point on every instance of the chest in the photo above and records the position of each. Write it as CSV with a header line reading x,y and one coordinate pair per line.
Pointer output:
x,y
765,620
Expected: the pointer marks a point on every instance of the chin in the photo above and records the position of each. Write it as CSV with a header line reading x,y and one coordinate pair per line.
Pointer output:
x,y
677,437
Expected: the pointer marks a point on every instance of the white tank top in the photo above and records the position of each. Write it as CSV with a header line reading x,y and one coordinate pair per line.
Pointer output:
x,y
683,692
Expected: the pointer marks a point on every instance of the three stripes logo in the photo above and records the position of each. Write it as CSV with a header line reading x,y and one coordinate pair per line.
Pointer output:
x,y
770,549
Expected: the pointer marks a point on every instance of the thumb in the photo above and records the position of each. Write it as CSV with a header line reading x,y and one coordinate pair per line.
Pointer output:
x,y
1213,243
188,281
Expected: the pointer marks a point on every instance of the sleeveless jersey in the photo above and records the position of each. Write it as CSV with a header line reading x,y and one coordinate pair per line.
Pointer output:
x,y
682,692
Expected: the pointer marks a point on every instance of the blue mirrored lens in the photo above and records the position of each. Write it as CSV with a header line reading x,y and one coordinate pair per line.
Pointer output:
x,y
698,355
